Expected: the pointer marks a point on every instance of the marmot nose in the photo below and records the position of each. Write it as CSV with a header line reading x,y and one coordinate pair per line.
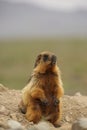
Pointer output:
x,y
53,59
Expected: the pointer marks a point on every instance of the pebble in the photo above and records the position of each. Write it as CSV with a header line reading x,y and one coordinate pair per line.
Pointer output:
x,y
13,116
14,125
3,125
32,128
67,118
43,126
78,94
4,111
80,124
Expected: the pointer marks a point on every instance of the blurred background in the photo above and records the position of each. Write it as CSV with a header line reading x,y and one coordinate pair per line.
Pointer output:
x,y
28,27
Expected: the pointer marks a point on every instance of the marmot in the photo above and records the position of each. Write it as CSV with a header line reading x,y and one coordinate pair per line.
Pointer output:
x,y
41,96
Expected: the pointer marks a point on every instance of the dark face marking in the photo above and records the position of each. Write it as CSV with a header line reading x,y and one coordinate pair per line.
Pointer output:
x,y
37,60
53,60
45,57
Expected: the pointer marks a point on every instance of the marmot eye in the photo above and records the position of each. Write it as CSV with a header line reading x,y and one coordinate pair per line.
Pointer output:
x,y
45,57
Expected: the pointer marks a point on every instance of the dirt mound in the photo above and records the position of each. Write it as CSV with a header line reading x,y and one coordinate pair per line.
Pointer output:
x,y
74,107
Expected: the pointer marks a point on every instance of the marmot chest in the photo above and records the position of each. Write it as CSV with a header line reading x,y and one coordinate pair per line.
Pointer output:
x,y
49,85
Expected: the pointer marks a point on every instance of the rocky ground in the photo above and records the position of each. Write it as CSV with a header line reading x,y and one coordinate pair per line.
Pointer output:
x,y
74,107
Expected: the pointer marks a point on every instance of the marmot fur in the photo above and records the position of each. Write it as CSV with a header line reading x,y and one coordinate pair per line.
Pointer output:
x,y
41,96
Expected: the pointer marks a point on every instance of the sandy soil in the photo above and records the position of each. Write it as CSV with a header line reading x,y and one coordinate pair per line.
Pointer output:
x,y
74,107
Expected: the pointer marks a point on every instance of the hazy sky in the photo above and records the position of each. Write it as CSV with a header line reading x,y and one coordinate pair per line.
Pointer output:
x,y
70,5
28,20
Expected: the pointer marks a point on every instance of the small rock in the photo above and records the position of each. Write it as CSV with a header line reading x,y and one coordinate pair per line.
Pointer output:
x,y
80,124
4,111
65,126
3,125
32,128
43,126
78,94
13,116
67,118
14,125
71,113
3,88
18,117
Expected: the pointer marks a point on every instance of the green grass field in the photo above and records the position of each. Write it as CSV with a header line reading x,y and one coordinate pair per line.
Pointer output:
x,y
17,60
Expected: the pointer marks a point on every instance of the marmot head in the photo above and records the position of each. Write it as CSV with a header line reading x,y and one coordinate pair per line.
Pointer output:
x,y
45,61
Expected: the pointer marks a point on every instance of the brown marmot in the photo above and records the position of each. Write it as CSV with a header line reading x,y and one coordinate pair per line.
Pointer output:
x,y
41,96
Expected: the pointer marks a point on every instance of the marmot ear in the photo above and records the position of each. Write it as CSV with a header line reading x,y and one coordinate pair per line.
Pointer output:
x,y
37,60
